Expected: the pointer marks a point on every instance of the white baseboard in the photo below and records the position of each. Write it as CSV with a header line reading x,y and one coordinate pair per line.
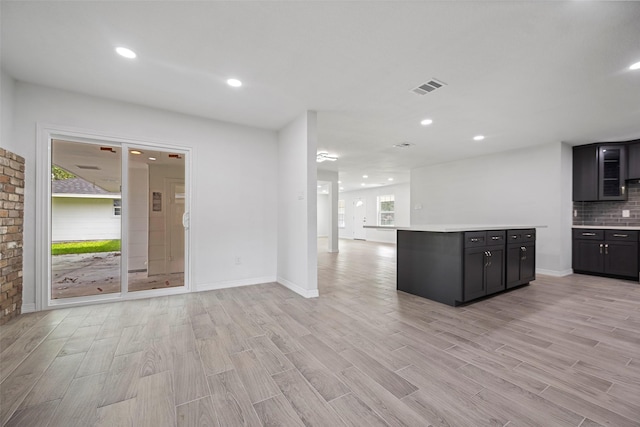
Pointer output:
x,y
307,293
234,283
554,273
28,308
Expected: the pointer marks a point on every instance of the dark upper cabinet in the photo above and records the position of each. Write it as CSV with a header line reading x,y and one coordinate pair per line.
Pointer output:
x,y
612,172
585,173
599,172
633,150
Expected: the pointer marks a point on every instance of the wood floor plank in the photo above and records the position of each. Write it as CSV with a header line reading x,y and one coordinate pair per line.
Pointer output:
x,y
155,402
157,357
99,357
312,410
81,340
214,357
37,415
394,411
397,385
122,379
269,355
255,378
231,401
189,380
121,414
20,381
325,354
277,412
53,384
79,407
320,378
197,413
17,352
354,412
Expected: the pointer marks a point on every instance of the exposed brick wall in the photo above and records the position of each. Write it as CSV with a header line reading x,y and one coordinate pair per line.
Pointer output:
x,y
11,223
610,213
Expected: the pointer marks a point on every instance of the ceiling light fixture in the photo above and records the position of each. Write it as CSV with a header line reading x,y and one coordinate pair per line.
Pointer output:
x,y
390,179
341,188
365,176
426,122
234,82
478,137
152,158
323,157
127,53
135,152
363,184
635,66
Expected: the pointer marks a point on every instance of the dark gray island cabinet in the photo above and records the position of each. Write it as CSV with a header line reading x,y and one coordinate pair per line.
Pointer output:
x,y
461,265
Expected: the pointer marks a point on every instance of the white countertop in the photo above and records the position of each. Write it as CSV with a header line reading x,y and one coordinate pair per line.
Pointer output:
x,y
608,227
450,228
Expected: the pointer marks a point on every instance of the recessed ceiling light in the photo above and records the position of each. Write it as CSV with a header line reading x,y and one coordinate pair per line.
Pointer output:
x,y
152,158
319,186
341,188
135,152
127,53
426,122
478,137
390,179
365,176
635,66
363,184
339,182
234,82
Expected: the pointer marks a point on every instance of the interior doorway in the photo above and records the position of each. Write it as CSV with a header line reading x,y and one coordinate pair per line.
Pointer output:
x,y
116,219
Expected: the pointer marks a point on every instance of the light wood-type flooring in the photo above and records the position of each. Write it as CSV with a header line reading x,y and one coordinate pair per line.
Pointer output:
x,y
560,352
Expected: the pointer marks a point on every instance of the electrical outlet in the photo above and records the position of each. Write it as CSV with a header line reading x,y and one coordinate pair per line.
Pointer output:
x,y
625,213
238,260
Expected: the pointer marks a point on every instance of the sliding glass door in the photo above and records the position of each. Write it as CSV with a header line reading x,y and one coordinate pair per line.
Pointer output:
x,y
118,220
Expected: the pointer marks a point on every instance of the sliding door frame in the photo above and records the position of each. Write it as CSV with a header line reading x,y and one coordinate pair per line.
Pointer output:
x,y
45,134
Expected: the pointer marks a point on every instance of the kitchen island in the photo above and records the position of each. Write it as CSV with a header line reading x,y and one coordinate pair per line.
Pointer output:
x,y
456,264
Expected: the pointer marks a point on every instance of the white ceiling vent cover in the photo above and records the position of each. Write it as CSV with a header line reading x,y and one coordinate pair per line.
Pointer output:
x,y
429,86
403,145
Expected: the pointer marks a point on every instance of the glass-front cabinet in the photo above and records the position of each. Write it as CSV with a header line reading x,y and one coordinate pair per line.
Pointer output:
x,y
612,171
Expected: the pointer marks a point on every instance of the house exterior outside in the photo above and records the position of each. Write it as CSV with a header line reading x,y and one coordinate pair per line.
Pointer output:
x,y
81,210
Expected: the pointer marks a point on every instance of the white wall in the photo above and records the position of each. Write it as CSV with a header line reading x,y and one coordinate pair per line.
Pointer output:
x,y
7,85
370,197
525,186
323,215
234,194
80,218
297,211
331,179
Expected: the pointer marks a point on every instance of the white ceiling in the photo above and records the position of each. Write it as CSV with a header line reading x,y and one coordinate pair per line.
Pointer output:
x,y
520,73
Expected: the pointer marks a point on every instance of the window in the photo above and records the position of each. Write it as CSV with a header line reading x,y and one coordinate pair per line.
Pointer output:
x,y
341,212
117,207
386,210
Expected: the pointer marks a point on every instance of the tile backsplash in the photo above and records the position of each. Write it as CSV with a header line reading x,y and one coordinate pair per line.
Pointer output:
x,y
610,213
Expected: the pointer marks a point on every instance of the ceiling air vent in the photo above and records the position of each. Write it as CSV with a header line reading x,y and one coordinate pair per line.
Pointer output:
x,y
403,145
93,168
427,87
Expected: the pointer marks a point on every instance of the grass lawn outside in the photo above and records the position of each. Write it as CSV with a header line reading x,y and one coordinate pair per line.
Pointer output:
x,y
89,246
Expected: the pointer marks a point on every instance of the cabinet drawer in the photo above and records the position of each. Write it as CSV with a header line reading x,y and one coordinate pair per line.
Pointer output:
x,y
474,239
623,235
519,236
588,234
495,237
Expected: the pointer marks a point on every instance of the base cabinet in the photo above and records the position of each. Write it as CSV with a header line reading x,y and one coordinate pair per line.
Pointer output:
x,y
611,253
521,257
458,267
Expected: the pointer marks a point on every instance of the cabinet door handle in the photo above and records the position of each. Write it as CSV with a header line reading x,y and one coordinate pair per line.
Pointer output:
x,y
601,248
495,237
529,236
606,249
475,239
515,236
620,235
588,234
